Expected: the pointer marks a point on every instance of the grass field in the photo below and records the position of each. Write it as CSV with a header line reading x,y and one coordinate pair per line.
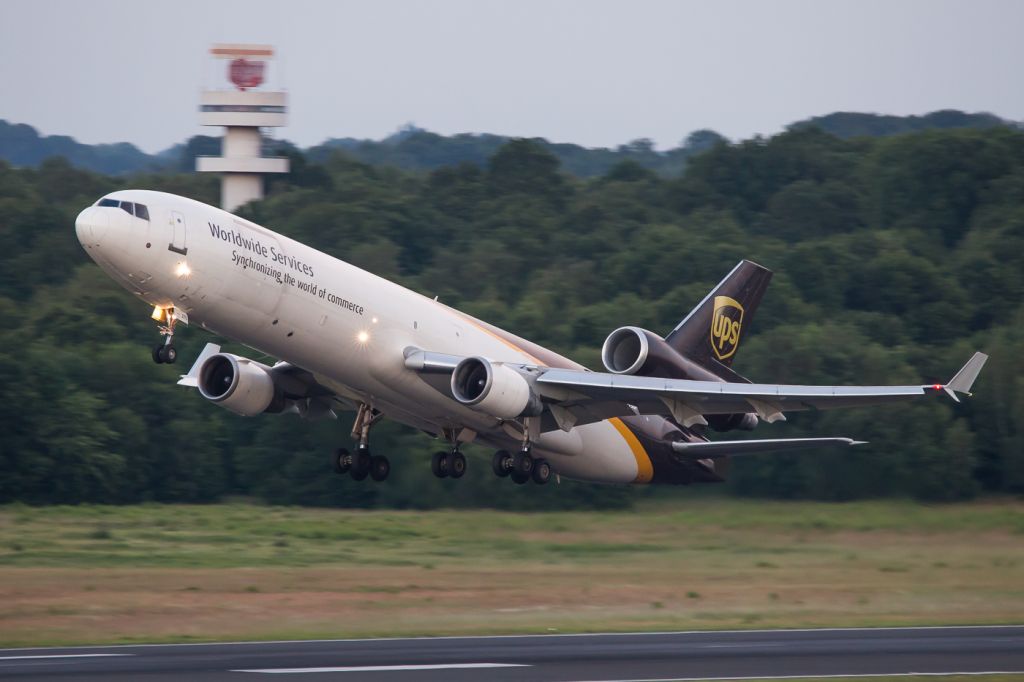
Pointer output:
x,y
237,571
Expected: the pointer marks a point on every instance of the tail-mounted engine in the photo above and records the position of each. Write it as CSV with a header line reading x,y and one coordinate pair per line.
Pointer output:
x,y
632,350
495,389
239,384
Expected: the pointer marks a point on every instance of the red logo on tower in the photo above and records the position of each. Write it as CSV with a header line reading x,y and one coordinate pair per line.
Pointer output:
x,y
245,74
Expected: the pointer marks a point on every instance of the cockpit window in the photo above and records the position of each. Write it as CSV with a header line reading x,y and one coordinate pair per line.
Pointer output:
x,y
138,210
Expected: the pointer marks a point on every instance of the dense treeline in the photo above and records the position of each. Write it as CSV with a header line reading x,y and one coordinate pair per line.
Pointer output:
x,y
416,149
895,257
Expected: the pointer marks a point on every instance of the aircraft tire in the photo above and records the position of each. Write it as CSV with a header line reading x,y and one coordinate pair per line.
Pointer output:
x,y
340,461
519,478
168,354
501,463
541,473
157,353
360,463
522,463
439,464
380,467
456,465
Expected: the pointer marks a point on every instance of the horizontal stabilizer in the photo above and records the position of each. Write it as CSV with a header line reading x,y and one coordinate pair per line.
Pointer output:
x,y
733,448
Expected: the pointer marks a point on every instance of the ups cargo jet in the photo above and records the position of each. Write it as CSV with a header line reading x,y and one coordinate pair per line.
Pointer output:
x,y
348,339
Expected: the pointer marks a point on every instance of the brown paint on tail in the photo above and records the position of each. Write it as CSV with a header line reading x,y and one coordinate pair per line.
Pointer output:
x,y
711,334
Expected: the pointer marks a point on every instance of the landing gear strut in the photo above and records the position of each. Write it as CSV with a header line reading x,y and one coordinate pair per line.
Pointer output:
x,y
522,466
361,463
166,352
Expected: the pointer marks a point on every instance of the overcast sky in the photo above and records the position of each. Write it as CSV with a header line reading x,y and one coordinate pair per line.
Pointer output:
x,y
591,72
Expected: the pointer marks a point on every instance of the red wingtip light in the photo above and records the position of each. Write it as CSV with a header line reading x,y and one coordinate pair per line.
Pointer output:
x,y
937,387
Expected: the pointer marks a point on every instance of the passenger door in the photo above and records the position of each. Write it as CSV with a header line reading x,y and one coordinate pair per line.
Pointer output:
x,y
179,234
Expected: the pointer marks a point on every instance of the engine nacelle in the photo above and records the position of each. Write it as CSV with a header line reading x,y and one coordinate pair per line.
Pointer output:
x,y
238,384
494,389
632,350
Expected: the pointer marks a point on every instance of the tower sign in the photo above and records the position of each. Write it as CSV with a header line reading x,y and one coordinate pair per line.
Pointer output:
x,y
246,74
243,109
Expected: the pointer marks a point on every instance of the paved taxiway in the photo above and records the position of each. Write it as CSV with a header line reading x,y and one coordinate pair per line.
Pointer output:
x,y
640,656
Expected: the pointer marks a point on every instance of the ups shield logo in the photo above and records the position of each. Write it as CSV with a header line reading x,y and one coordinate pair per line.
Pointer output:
x,y
726,323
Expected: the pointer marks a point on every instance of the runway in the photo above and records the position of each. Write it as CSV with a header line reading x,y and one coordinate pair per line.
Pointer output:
x,y
732,655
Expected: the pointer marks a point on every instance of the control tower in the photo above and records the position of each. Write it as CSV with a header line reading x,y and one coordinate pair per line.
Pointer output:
x,y
242,109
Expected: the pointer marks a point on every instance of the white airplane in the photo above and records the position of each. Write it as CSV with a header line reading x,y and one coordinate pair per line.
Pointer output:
x,y
348,339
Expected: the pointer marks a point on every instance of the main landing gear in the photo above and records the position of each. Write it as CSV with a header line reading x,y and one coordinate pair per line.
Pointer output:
x,y
166,352
521,467
448,464
361,463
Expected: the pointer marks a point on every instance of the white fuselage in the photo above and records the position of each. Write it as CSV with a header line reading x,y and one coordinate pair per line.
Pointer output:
x,y
349,327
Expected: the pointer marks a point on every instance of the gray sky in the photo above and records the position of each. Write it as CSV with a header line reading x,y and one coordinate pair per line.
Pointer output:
x,y
592,72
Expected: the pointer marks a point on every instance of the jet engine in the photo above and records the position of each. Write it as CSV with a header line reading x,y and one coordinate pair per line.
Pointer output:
x,y
632,350
494,389
239,384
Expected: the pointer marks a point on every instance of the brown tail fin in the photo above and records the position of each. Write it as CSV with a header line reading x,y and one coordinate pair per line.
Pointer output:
x,y
711,334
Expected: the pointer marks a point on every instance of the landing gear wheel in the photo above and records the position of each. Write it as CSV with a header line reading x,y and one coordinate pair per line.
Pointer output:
x,y
439,464
456,465
157,352
379,467
166,354
523,463
341,460
360,463
541,473
519,478
501,463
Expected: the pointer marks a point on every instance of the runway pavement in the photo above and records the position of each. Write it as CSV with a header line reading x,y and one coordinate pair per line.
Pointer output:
x,y
554,658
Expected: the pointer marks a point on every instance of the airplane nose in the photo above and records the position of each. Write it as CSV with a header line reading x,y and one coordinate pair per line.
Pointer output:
x,y
90,226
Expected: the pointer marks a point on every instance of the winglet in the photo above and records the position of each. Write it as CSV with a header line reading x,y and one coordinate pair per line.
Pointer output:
x,y
964,379
192,378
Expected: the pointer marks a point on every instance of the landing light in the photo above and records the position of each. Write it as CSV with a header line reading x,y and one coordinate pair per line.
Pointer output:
x,y
182,269
362,337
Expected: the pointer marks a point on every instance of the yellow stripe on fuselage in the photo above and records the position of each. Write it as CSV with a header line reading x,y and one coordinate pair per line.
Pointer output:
x,y
644,468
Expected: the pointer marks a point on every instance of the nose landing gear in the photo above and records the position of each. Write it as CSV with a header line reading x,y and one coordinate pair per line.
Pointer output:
x,y
166,352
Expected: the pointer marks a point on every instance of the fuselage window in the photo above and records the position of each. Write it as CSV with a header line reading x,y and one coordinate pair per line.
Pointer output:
x,y
113,203
141,211
128,207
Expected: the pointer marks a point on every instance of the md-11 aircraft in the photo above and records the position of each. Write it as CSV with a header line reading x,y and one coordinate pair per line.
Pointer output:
x,y
347,339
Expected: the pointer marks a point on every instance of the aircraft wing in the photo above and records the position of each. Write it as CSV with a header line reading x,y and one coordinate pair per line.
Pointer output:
x,y
576,397
686,400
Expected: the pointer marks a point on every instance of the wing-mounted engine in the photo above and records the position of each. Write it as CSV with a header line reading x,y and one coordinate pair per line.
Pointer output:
x,y
632,350
239,384
495,389
248,388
